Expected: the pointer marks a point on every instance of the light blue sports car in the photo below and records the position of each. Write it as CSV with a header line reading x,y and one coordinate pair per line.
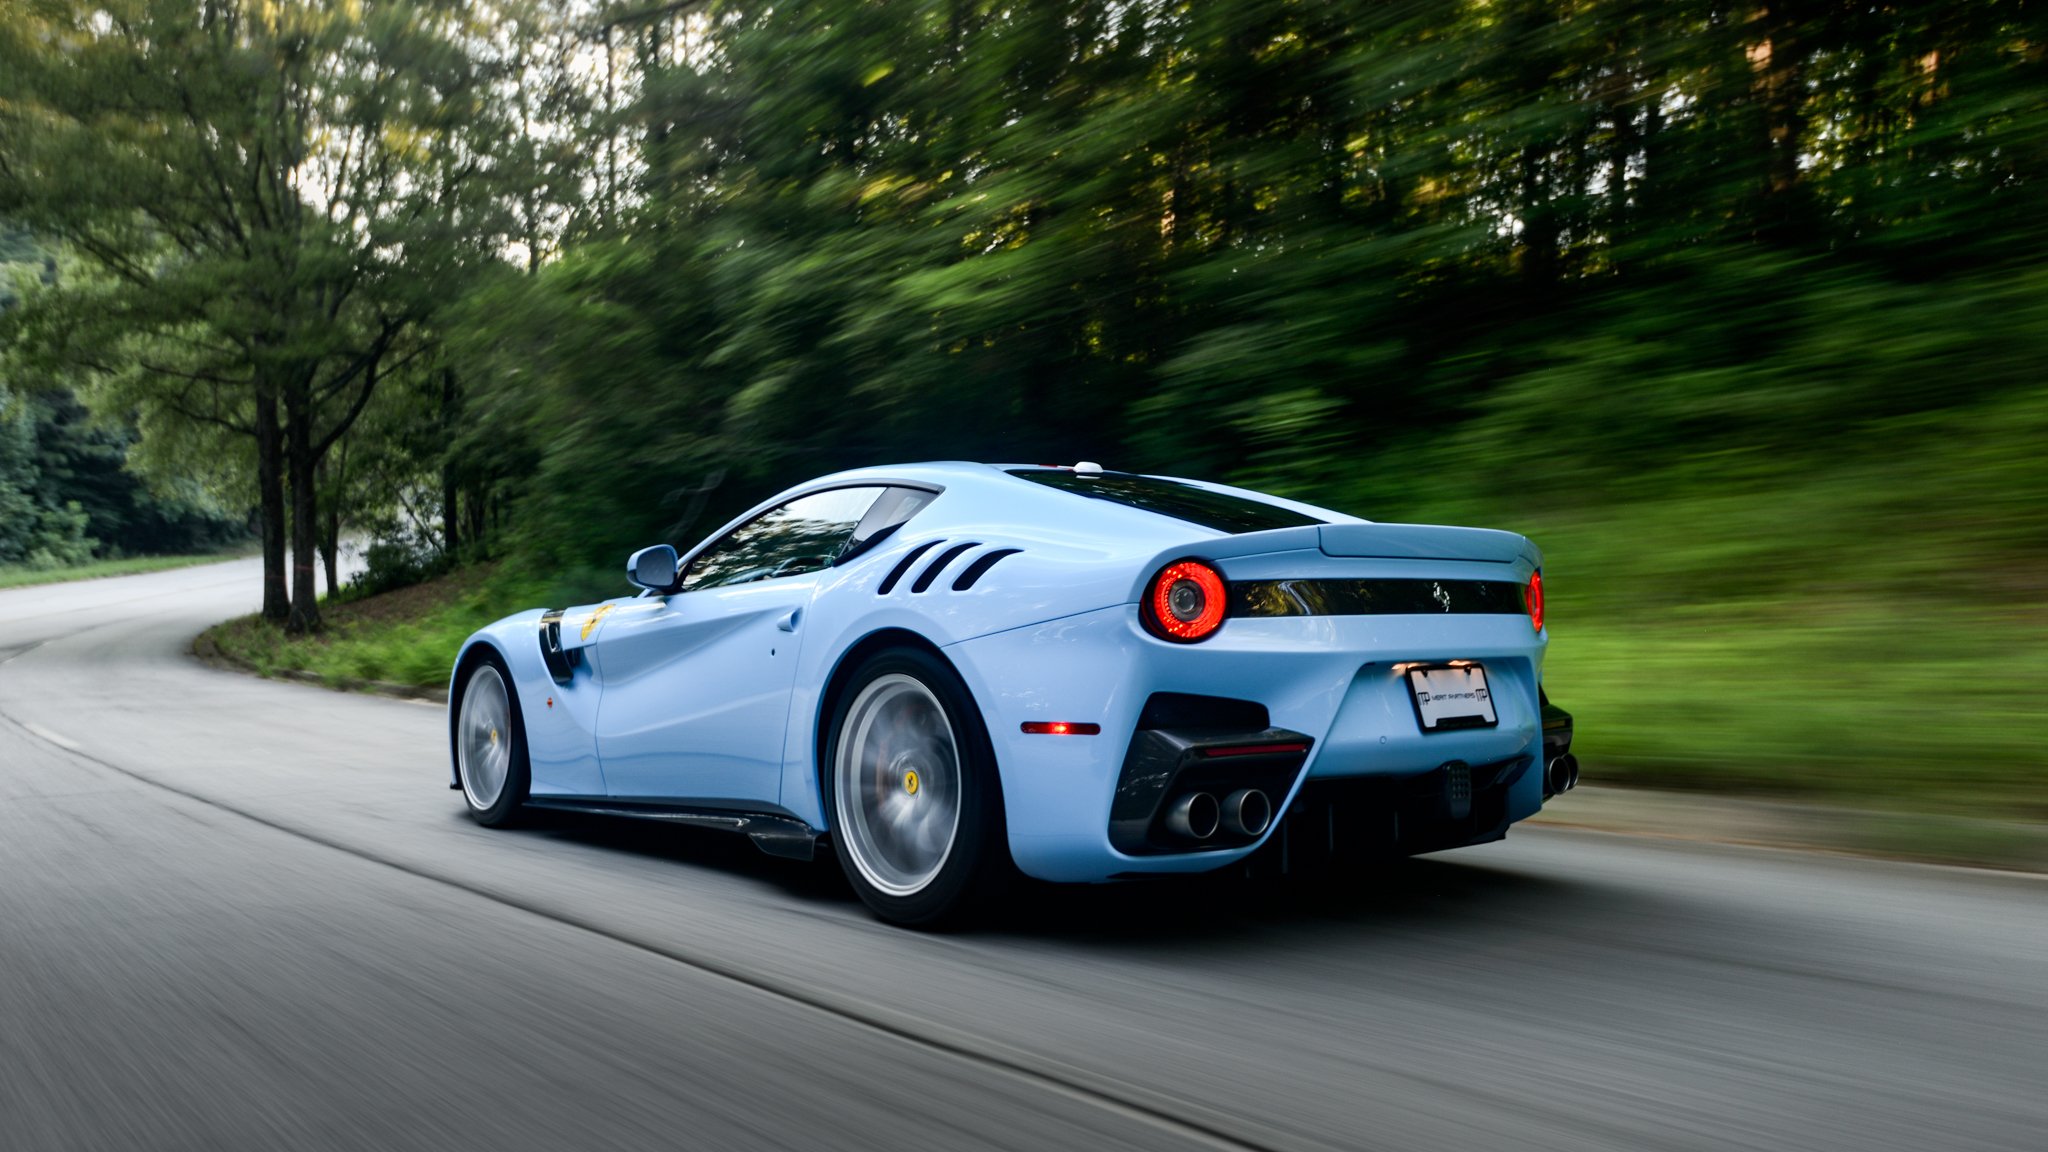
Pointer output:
x,y
950,670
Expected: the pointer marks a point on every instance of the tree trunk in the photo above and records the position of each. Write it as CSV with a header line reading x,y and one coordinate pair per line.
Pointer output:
x,y
1540,258
330,529
1778,59
299,467
451,519
1618,100
330,549
477,501
270,483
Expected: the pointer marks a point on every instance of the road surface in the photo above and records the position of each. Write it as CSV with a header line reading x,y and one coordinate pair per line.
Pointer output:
x,y
237,914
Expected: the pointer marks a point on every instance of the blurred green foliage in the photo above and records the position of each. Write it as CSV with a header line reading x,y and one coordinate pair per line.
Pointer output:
x,y
1738,308
67,497
66,494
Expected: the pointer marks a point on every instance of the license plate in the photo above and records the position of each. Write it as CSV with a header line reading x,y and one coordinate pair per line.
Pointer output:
x,y
1451,696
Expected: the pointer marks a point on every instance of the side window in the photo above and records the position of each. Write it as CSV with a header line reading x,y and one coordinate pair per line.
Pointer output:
x,y
884,517
801,536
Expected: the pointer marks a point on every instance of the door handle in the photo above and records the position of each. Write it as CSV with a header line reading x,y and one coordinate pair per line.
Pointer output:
x,y
790,619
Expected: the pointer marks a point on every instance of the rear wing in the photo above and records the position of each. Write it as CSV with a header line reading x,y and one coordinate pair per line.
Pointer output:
x,y
1426,542
1363,539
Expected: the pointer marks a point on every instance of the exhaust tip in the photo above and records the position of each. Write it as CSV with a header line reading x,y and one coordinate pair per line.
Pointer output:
x,y
1247,812
1561,775
1195,815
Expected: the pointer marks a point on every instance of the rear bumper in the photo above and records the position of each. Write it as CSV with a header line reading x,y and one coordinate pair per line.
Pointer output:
x,y
1330,680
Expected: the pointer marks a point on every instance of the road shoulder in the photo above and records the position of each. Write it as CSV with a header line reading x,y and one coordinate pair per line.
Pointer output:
x,y
1927,837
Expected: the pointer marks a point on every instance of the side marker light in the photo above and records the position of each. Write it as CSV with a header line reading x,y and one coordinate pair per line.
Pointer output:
x,y
1060,728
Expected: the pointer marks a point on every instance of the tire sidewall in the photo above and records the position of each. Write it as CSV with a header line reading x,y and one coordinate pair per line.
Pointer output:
x,y
518,773
980,851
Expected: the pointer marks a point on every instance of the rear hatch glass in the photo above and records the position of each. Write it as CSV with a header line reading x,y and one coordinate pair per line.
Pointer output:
x,y
1218,510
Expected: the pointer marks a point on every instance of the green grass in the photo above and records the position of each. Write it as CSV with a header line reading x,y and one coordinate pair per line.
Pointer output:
x,y
1913,704
407,638
1900,705
17,577
1836,634
1865,625
1820,638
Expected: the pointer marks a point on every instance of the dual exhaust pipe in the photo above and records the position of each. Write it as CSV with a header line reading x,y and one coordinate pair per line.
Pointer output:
x,y
1561,775
1198,815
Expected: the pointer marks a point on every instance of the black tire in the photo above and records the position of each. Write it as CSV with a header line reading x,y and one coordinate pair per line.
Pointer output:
x,y
502,807
977,859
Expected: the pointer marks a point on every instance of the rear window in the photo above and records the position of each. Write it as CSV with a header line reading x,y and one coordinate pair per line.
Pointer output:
x,y
1218,510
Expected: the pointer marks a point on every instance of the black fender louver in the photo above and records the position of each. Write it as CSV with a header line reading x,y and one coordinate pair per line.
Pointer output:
x,y
932,570
903,565
981,565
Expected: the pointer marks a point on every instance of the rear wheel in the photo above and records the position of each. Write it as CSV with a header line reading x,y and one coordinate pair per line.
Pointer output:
x,y
917,810
490,746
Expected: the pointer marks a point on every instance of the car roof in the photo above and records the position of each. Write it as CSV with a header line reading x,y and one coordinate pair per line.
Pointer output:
x,y
992,484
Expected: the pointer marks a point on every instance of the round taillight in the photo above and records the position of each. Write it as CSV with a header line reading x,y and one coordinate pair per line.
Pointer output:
x,y
1185,601
1536,600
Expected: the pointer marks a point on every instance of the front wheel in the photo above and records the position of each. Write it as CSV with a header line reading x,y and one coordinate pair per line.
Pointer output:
x,y
917,808
490,746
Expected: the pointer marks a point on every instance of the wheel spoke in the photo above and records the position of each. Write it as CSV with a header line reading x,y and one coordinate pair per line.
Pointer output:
x,y
485,748
897,773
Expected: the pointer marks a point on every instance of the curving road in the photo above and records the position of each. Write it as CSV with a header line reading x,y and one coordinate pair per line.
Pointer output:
x,y
237,914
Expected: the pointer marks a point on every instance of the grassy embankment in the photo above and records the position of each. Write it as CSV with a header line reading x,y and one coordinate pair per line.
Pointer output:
x,y
1836,633
405,638
18,577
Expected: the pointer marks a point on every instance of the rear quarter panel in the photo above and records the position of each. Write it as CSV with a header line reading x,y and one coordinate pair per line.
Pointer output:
x,y
1069,561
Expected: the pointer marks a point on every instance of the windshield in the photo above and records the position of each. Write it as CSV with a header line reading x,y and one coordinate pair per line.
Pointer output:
x,y
1219,510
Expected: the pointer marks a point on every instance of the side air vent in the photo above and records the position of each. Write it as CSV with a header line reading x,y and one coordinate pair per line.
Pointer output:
x,y
903,565
932,570
981,565
561,663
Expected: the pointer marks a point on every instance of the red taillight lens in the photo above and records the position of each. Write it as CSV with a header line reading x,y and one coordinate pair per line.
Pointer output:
x,y
1185,601
1536,600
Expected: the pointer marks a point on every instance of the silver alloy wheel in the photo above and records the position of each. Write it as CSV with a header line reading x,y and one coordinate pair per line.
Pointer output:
x,y
897,777
483,738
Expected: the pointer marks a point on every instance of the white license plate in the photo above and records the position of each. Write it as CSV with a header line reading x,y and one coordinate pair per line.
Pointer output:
x,y
1451,696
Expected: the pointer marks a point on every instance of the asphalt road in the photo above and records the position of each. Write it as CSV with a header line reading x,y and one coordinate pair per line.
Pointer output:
x,y
246,915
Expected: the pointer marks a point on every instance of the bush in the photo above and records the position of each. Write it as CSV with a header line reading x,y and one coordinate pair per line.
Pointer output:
x,y
396,563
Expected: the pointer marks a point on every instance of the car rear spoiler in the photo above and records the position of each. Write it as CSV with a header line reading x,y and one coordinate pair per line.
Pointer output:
x,y
1426,542
1363,539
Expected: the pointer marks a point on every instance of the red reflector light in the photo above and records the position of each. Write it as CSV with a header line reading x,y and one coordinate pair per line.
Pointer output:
x,y
1185,601
1254,750
1536,600
1059,728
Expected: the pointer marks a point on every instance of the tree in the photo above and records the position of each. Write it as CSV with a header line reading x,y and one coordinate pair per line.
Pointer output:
x,y
271,198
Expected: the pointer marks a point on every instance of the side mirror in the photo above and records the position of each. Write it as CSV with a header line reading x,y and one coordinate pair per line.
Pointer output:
x,y
653,568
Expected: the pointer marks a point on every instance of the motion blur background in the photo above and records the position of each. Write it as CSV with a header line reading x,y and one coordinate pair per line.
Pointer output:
x,y
1738,308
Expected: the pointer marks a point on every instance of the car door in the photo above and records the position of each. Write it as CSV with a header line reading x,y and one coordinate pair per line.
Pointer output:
x,y
696,684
